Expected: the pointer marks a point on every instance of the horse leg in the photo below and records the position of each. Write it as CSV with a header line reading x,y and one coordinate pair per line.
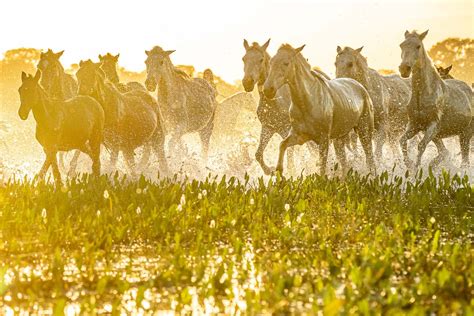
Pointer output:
x,y
146,152
55,168
72,168
265,136
129,156
323,154
410,132
290,159
44,168
113,158
379,139
442,152
291,140
339,147
158,146
465,142
314,150
430,134
205,135
365,137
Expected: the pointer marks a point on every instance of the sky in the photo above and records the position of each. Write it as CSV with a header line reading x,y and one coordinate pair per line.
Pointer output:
x,y
209,33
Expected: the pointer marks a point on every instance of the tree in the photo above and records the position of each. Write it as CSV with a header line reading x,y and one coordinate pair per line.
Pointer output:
x,y
458,52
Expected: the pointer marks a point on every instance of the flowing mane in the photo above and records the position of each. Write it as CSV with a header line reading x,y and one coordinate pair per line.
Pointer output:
x,y
158,50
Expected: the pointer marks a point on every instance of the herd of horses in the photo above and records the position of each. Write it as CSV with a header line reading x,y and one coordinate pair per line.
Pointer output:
x,y
303,105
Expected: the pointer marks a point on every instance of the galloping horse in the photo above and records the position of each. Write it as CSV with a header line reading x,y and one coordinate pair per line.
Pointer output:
x,y
188,104
321,109
132,119
77,123
58,85
109,65
390,96
272,113
56,82
438,108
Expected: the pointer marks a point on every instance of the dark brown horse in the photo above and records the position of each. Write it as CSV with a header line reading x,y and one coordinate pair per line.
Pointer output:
x,y
132,119
77,123
444,72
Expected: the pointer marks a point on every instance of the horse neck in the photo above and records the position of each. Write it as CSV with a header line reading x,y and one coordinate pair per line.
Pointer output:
x,y
303,85
425,77
44,109
364,76
264,71
170,81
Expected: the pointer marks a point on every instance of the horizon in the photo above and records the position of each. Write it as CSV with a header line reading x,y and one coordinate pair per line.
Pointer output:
x,y
206,36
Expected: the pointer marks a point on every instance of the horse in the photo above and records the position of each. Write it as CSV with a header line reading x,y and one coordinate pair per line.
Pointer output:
x,y
444,72
390,96
62,125
188,104
438,108
57,83
132,119
273,114
109,65
321,109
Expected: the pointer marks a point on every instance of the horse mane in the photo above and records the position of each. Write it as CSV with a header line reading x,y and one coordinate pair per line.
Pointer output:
x,y
305,64
256,46
158,50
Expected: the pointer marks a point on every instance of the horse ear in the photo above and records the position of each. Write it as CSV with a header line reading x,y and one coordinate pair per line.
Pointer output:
x,y
246,44
42,55
59,54
81,63
423,35
101,57
448,69
299,49
407,33
339,49
117,57
169,52
37,75
147,52
265,46
359,49
23,76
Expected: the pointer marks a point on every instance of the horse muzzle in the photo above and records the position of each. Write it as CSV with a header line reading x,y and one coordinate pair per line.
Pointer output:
x,y
23,114
405,70
269,92
248,84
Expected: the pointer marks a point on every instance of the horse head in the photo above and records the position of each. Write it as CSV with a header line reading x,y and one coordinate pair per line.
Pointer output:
x,y
256,60
29,93
350,63
109,63
156,62
412,49
282,66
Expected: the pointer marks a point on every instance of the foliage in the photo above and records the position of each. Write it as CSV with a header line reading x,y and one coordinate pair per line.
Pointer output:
x,y
458,52
383,245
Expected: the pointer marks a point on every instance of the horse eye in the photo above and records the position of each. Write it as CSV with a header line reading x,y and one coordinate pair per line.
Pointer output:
x,y
161,63
261,60
350,64
418,47
286,64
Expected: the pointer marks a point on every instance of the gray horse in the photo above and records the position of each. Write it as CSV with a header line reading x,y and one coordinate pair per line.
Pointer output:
x,y
322,110
109,64
438,108
390,96
188,104
273,113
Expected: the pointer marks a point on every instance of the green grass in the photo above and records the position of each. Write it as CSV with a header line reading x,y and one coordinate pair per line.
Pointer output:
x,y
386,245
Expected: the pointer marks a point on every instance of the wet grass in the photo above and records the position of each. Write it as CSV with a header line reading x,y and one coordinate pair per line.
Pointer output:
x,y
384,245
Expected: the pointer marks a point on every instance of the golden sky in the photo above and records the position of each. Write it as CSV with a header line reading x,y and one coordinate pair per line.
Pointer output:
x,y
209,33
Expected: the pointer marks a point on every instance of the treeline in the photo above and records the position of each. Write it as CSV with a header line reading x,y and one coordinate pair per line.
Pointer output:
x,y
452,51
